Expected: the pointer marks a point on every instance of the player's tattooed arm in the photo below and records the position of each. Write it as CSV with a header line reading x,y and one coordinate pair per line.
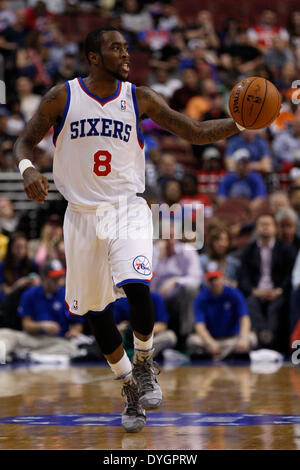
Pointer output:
x,y
50,110
198,133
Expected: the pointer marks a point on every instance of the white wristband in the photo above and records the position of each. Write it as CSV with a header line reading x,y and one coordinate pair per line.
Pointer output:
x,y
240,128
24,164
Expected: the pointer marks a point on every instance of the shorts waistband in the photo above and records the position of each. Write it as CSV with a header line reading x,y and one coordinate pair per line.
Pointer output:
x,y
82,209
102,205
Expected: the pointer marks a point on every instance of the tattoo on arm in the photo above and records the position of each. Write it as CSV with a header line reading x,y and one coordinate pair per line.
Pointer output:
x,y
195,132
50,109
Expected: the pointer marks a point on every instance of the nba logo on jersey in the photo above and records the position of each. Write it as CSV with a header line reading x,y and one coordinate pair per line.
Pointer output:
x,y
123,105
75,304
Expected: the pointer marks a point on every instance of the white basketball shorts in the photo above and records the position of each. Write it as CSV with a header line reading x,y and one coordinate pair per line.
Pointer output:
x,y
106,247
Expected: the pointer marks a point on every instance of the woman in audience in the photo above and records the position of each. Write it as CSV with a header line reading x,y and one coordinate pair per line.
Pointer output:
x,y
17,270
51,233
217,257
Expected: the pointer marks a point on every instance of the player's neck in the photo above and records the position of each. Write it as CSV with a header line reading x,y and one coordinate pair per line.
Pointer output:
x,y
101,84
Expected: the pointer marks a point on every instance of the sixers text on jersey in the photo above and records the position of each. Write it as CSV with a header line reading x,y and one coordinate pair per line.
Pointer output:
x,y
100,127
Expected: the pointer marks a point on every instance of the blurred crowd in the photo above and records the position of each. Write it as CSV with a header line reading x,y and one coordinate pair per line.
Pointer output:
x,y
241,290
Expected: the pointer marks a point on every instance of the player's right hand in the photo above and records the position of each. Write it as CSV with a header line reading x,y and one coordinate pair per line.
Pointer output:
x,y
35,185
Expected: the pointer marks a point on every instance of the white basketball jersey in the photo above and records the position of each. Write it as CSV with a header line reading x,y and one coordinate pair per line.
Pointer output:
x,y
99,153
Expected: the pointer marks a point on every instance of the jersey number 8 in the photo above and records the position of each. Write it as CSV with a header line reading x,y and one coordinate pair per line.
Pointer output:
x,y
102,160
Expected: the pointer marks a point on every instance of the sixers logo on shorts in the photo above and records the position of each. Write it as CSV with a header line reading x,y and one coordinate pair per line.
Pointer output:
x,y
141,265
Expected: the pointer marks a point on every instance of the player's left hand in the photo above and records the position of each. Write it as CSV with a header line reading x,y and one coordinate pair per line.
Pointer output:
x,y
36,185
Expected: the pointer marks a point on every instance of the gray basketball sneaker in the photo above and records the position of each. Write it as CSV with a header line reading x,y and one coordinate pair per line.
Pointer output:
x,y
133,416
144,372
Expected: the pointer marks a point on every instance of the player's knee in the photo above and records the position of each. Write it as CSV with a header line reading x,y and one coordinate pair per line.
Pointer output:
x,y
105,331
141,307
137,292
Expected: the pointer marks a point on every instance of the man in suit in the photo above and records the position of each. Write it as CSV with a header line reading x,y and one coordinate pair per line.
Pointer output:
x,y
265,279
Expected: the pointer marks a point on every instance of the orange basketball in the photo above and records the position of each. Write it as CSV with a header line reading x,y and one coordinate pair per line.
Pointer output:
x,y
254,103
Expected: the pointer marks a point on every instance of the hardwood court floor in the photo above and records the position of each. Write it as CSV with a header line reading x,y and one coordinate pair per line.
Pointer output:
x,y
204,407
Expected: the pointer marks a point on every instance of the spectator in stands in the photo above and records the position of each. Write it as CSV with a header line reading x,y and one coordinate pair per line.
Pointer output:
x,y
135,18
294,195
168,169
169,18
15,122
29,101
169,206
59,45
37,17
240,57
287,142
286,220
7,16
197,106
164,84
177,277
204,29
47,326
278,200
229,33
58,252
8,218
222,324
163,337
34,61
212,172
152,191
204,60
294,29
17,268
277,56
189,89
67,69
192,200
14,36
264,278
7,160
257,146
294,173
216,110
261,35
51,233
242,182
217,257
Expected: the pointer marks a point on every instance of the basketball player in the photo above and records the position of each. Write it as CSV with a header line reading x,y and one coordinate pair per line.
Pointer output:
x,y
99,156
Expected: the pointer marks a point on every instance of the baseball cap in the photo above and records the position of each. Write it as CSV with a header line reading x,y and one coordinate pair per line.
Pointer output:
x,y
213,274
241,155
53,268
211,152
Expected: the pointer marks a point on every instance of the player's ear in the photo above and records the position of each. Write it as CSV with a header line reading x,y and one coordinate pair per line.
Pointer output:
x,y
94,58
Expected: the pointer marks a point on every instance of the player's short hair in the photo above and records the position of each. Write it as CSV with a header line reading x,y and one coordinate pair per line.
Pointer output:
x,y
93,40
